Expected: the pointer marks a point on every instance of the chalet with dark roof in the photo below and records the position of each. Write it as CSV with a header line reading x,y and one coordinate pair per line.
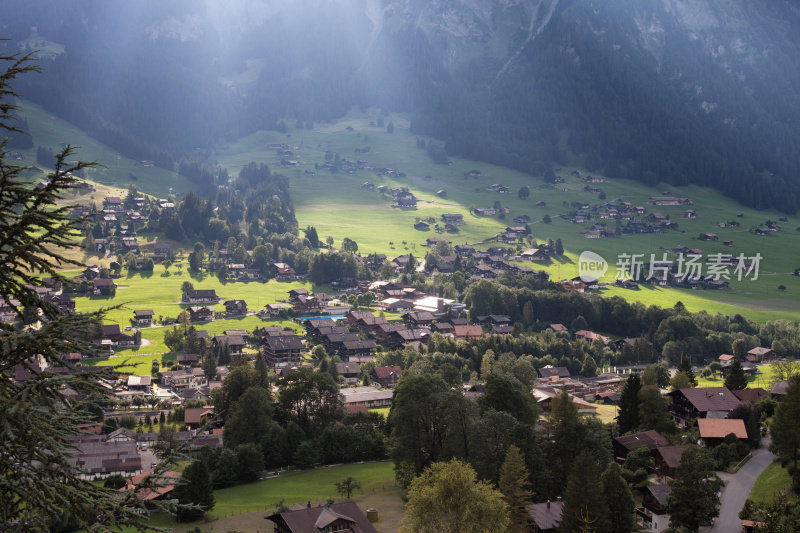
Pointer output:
x,y
235,308
546,516
200,296
549,372
386,376
652,515
629,443
416,319
200,313
236,343
143,317
282,351
111,332
351,372
702,402
668,459
761,354
346,517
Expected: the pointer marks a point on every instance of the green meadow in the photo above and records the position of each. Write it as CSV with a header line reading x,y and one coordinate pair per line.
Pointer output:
x,y
337,205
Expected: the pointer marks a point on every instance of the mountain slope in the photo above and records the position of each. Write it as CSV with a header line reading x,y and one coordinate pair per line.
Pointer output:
x,y
684,91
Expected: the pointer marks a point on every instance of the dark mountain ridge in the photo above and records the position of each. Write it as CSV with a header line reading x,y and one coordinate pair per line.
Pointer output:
x,y
681,91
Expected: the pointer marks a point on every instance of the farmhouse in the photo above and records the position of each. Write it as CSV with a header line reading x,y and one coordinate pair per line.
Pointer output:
x,y
200,296
346,516
199,313
702,402
761,354
143,317
235,308
370,397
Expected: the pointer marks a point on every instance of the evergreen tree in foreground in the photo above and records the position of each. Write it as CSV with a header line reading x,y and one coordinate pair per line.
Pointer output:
x,y
585,508
514,486
40,488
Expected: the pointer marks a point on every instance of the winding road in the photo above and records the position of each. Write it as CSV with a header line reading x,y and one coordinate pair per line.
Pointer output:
x,y
738,487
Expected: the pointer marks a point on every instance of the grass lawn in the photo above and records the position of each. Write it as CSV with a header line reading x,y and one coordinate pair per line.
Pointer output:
x,y
606,413
338,206
294,487
764,380
773,479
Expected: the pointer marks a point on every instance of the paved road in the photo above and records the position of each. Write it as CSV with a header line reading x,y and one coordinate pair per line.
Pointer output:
x,y
737,489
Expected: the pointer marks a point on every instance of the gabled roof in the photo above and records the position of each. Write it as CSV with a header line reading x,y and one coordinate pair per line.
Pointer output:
x,y
671,455
660,493
780,387
315,519
759,351
384,372
706,399
726,357
651,439
719,428
553,371
547,515
751,395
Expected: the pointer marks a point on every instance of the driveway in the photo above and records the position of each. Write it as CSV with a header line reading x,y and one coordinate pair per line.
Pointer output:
x,y
738,487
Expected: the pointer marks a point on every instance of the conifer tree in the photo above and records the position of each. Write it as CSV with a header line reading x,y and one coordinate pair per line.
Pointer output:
x,y
195,488
686,368
41,487
628,417
618,500
584,504
736,378
514,486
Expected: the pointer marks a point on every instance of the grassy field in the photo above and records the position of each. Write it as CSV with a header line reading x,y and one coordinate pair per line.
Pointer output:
x,y
773,479
764,379
338,206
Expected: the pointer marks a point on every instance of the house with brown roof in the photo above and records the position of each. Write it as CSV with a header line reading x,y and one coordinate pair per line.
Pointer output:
x,y
387,376
714,430
200,296
628,443
194,417
349,371
668,459
762,354
751,395
466,332
346,516
549,372
546,516
200,313
726,359
702,402
143,317
779,389
558,327
148,494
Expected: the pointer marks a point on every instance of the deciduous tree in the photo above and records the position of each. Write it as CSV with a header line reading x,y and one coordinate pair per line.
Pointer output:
x,y
694,499
447,498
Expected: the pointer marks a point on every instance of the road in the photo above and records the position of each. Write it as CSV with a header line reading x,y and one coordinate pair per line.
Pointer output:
x,y
738,487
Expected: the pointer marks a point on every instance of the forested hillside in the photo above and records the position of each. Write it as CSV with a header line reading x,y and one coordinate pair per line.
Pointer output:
x,y
682,91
